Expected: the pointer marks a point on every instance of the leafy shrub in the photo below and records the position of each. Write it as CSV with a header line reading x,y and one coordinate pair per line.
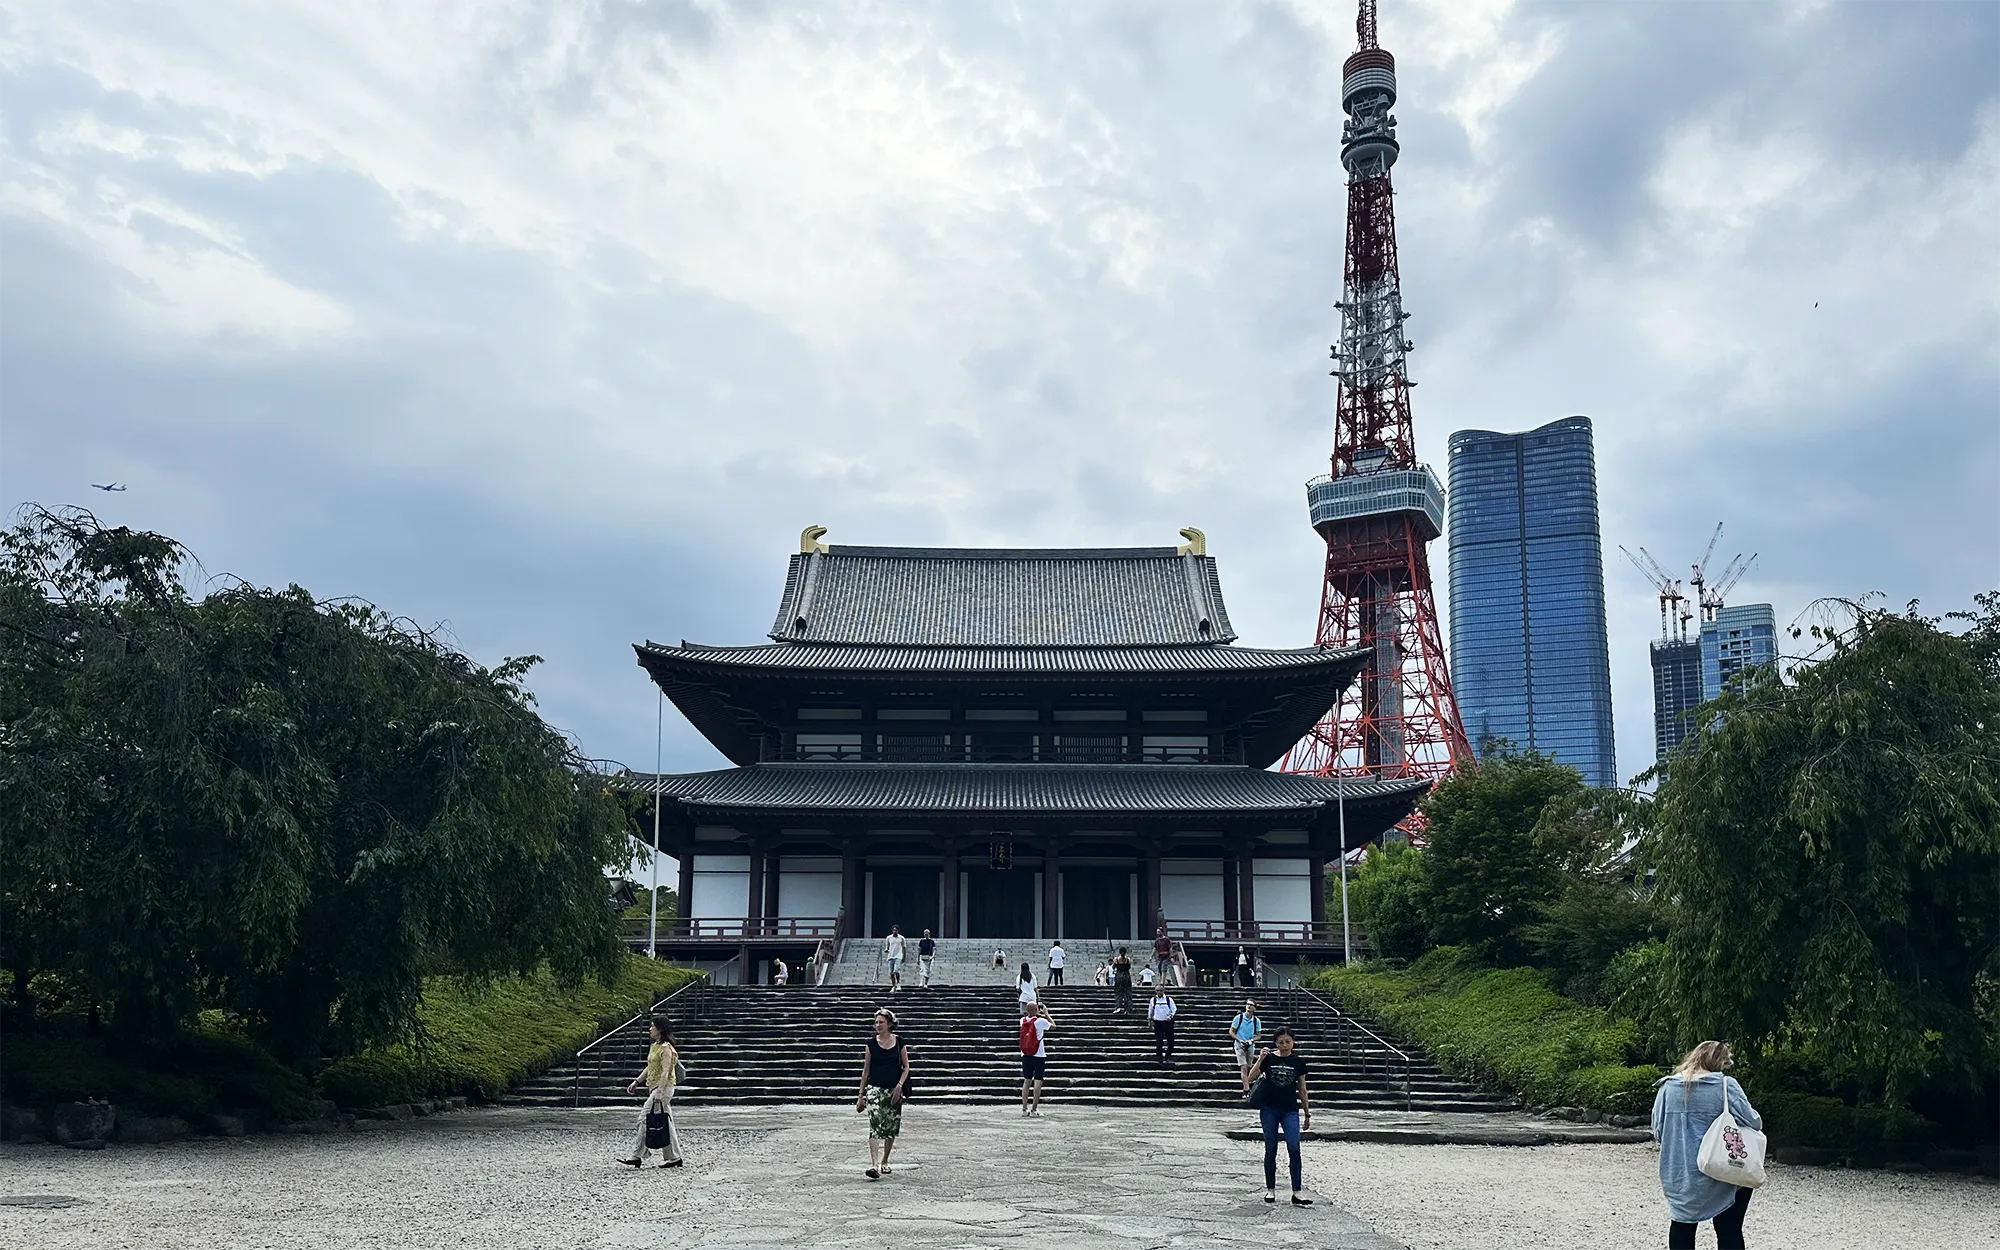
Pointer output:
x,y
1829,1124
1387,895
1505,1028
192,1077
479,1040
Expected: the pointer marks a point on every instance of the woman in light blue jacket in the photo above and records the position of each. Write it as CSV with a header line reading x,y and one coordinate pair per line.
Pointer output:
x,y
1685,1104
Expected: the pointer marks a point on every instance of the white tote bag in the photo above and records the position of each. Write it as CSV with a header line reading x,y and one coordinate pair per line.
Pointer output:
x,y
1730,1152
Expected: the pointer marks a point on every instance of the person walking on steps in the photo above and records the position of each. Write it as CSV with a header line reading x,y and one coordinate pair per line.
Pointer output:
x,y
1163,955
1103,974
1239,976
1024,989
1055,962
1161,1010
1281,1102
892,947
781,972
1121,980
885,1073
1035,1025
1686,1103
1243,1031
926,951
658,1078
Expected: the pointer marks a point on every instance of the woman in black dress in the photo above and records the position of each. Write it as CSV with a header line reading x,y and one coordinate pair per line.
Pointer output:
x,y
885,1071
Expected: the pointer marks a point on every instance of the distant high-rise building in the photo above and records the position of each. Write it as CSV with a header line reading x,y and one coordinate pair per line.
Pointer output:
x,y
1740,637
1676,691
1530,661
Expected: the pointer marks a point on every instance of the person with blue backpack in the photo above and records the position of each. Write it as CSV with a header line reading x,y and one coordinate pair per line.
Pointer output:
x,y
1243,1031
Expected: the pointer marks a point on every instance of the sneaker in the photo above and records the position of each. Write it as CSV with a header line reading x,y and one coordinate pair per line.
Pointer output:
x,y
1301,1202
1270,1195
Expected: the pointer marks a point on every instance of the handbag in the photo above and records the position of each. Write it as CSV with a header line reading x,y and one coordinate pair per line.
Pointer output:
x,y
1730,1152
1258,1093
658,1129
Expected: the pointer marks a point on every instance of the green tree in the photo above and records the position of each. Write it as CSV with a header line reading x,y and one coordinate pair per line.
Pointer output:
x,y
1388,895
1501,842
1830,848
282,807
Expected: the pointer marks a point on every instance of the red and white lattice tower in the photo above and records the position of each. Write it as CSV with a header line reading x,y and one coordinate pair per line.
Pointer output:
x,y
1378,507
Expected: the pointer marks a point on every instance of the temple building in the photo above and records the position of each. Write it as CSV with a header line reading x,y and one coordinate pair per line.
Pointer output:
x,y
1006,744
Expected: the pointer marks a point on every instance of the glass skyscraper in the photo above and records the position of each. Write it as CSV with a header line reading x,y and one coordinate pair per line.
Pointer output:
x,y
1740,637
1530,661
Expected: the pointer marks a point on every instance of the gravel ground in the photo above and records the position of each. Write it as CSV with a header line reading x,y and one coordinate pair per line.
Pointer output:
x,y
1078,1179
1608,1197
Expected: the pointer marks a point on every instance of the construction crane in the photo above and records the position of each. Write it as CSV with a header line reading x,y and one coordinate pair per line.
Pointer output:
x,y
1725,581
1673,619
1698,578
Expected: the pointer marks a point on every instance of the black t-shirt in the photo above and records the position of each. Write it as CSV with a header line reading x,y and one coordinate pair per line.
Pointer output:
x,y
885,1063
1121,970
1283,1074
926,948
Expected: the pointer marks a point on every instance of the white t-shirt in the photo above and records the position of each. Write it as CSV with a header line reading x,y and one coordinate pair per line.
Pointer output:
x,y
1041,1038
894,945
1145,976
1026,989
1056,956
1161,1007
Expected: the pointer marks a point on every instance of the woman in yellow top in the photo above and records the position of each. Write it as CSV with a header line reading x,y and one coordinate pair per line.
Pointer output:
x,y
661,1059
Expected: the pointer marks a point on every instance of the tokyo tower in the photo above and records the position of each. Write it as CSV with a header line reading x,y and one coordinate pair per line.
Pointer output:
x,y
1378,507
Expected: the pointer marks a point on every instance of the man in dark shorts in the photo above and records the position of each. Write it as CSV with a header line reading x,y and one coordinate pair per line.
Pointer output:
x,y
1035,1025
1163,955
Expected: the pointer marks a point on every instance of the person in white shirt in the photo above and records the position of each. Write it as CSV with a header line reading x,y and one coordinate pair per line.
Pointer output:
x,y
1055,964
892,946
782,972
1103,973
1035,1025
1146,977
1024,989
1161,1010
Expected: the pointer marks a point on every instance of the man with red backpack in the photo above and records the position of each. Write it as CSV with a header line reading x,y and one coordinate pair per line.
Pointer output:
x,y
1035,1025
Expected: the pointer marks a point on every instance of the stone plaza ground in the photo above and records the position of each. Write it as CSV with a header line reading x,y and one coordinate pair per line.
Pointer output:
x,y
966,1176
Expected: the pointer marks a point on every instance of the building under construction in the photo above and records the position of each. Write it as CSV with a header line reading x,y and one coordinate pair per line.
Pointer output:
x,y
1688,671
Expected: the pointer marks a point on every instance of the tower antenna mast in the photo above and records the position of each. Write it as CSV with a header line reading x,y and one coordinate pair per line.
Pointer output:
x,y
1378,506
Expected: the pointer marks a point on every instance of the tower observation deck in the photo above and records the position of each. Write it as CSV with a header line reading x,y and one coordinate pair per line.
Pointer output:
x,y
1377,507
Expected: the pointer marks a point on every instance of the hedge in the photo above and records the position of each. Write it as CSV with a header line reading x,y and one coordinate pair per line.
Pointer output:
x,y
1823,1123
1505,1028
479,1041
200,1075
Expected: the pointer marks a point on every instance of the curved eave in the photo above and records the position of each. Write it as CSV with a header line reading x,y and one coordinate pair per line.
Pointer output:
x,y
811,660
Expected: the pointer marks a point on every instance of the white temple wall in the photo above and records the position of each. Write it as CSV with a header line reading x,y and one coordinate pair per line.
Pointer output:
x,y
808,886
1191,889
1283,890
721,888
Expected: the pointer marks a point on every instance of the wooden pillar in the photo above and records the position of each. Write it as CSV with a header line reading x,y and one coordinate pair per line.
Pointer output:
x,y
1246,884
1149,890
950,887
853,903
685,889
1051,890
1230,895
1316,874
753,908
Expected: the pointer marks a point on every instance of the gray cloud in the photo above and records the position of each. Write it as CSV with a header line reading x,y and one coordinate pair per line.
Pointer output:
x,y
557,325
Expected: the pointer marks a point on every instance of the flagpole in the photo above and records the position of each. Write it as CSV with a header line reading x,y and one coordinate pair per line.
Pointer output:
x,y
1346,931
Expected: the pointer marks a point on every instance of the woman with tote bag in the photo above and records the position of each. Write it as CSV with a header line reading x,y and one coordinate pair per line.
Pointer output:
x,y
1711,1152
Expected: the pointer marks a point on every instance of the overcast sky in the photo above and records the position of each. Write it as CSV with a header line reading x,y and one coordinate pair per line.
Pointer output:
x,y
556,323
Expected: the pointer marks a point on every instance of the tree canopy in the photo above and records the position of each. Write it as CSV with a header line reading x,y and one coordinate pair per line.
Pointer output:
x,y
283,807
1830,851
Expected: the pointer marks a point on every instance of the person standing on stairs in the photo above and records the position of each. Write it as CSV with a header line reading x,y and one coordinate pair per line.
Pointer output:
x,y
1121,980
885,1072
1243,1031
1055,962
822,960
1239,976
892,947
1035,1025
1161,1010
926,951
1163,955
1281,1101
1024,989
662,1062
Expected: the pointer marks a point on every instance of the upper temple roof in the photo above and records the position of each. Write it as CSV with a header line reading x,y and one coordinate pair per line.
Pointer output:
x,y
972,597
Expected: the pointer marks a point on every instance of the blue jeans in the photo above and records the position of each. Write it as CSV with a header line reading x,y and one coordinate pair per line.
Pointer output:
x,y
1274,1119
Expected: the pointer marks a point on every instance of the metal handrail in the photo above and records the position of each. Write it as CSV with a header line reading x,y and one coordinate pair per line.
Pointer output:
x,y
1342,1020
699,992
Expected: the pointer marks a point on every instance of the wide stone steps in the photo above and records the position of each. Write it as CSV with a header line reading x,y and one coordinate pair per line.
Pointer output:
x,y
798,1044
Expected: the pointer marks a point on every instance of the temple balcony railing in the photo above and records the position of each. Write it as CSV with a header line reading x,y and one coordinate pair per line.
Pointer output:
x,y
1263,932
736,929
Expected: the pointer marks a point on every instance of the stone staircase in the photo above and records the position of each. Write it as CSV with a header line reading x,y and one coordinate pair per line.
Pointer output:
x,y
762,1044
968,961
